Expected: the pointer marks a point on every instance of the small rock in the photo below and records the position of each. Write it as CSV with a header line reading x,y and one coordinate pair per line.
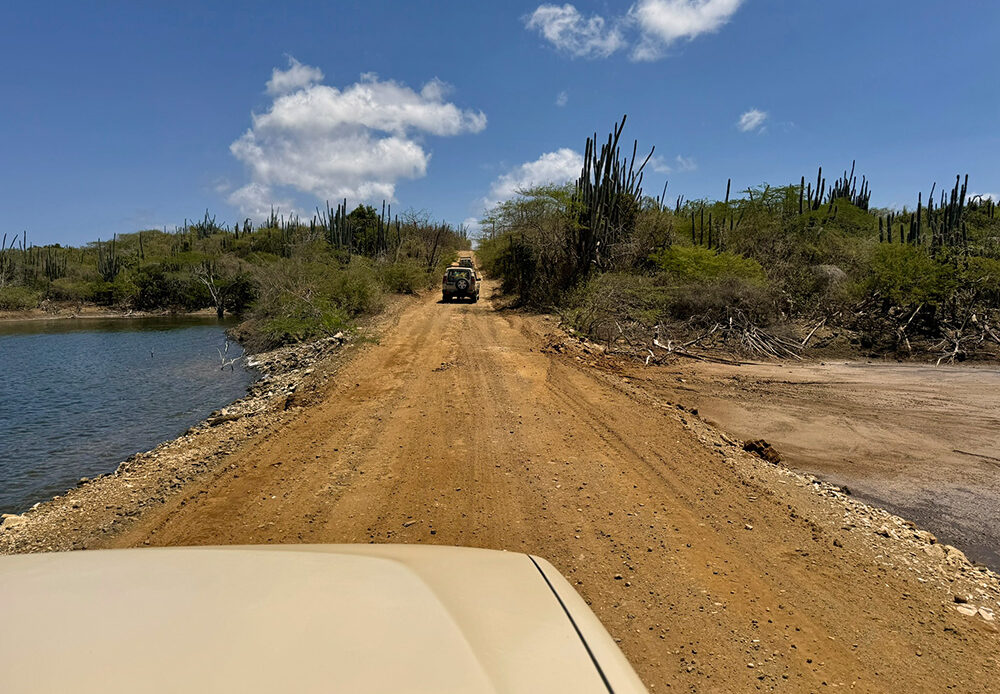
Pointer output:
x,y
967,610
618,577
934,551
955,556
762,449
748,527
11,520
986,613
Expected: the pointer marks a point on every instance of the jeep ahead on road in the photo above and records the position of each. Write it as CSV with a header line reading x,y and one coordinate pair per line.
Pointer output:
x,y
460,282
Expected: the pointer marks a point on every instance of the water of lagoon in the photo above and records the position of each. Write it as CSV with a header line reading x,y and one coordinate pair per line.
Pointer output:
x,y
78,396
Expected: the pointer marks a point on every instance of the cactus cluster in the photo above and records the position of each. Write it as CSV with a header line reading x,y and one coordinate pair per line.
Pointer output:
x,y
606,200
947,223
7,259
205,228
845,187
943,225
342,231
109,263
336,225
987,204
54,263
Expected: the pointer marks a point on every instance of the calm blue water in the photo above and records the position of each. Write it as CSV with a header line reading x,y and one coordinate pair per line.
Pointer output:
x,y
79,396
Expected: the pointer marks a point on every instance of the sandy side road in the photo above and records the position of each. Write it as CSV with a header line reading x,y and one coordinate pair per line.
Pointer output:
x,y
715,571
920,440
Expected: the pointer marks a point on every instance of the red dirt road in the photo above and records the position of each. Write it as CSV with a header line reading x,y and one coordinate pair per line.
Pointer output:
x,y
715,571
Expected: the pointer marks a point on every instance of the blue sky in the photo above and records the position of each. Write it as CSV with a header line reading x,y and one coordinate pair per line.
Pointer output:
x,y
119,116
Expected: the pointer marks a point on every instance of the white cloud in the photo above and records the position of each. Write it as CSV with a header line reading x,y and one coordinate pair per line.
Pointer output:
x,y
330,143
473,227
652,24
557,167
256,200
752,120
562,98
679,163
685,163
297,76
662,22
566,29
659,164
435,90
222,185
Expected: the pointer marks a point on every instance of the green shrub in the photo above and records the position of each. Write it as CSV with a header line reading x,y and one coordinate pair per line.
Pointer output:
x,y
356,288
985,271
302,300
240,293
18,298
707,303
68,289
300,319
155,286
904,275
151,287
405,277
597,307
697,264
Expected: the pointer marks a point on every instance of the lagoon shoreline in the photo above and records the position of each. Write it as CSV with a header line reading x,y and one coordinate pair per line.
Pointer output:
x,y
87,311
101,507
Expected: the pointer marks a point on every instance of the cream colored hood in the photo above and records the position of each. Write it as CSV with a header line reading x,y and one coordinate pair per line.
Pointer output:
x,y
299,618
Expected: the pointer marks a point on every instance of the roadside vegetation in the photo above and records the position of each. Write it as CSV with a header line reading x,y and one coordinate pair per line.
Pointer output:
x,y
289,280
770,271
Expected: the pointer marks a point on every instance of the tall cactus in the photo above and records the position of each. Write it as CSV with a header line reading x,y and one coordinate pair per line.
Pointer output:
x,y
109,264
54,264
607,198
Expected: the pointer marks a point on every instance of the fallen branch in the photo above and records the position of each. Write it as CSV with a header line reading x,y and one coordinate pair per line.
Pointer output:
x,y
681,352
813,331
231,363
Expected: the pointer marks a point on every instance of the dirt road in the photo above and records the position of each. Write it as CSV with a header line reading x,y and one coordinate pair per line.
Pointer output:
x,y
716,571
920,440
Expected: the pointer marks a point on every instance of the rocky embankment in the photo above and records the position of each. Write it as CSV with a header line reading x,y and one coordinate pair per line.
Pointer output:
x,y
104,505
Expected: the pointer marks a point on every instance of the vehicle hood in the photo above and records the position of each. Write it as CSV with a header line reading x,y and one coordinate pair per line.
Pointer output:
x,y
304,618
